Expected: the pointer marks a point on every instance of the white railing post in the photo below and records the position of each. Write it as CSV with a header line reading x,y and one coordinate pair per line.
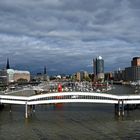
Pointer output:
x,y
26,110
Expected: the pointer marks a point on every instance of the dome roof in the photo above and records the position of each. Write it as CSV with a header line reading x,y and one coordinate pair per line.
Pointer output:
x,y
99,57
10,71
22,72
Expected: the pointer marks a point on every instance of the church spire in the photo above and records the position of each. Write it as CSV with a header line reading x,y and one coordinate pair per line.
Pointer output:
x,y
45,71
7,65
45,74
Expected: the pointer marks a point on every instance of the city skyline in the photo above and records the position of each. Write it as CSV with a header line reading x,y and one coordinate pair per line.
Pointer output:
x,y
66,35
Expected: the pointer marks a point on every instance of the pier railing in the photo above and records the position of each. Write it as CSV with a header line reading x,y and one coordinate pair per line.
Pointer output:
x,y
72,97
57,97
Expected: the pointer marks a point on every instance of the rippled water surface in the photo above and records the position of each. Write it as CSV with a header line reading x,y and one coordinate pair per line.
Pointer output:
x,y
78,121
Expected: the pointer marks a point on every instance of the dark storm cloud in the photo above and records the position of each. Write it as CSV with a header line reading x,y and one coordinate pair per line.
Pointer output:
x,y
66,35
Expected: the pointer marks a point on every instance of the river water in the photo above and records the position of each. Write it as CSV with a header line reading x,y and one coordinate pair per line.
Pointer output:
x,y
71,122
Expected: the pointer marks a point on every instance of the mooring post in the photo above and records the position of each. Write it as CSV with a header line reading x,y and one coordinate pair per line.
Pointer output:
x,y
128,107
33,108
116,108
26,110
10,108
30,109
119,108
122,107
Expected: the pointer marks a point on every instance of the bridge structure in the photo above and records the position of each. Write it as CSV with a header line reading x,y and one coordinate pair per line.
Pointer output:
x,y
70,97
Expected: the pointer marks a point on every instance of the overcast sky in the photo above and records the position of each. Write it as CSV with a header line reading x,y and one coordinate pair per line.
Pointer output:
x,y
65,35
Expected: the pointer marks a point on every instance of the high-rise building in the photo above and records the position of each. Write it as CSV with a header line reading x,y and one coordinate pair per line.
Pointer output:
x,y
135,61
133,73
78,76
81,76
98,65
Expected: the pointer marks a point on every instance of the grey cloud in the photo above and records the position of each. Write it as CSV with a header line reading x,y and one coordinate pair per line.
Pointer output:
x,y
135,4
66,35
